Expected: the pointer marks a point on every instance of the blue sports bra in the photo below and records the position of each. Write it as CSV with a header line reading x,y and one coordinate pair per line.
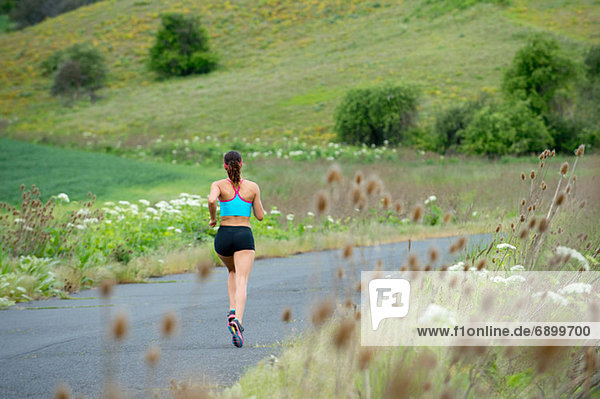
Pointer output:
x,y
237,206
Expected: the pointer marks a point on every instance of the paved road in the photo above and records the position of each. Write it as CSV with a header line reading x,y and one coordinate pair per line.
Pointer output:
x,y
47,342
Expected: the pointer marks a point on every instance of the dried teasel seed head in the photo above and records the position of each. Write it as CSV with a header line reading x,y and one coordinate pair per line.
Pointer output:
x,y
286,316
398,207
434,255
553,153
365,356
386,201
106,288
447,217
523,202
120,326
582,204
153,356
498,228
542,155
204,268
334,174
322,312
543,225
22,187
568,189
373,186
560,199
532,223
417,213
580,150
413,262
62,391
348,251
544,186
169,325
533,207
343,334
480,264
356,195
358,177
541,164
322,202
522,176
564,168
524,233
522,218
532,174
530,208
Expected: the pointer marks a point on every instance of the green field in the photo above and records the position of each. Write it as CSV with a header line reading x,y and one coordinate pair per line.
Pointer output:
x,y
77,172
285,64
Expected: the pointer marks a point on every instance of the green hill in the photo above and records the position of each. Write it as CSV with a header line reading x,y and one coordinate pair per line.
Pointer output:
x,y
285,63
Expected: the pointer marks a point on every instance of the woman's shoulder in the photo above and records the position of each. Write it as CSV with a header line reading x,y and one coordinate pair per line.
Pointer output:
x,y
251,183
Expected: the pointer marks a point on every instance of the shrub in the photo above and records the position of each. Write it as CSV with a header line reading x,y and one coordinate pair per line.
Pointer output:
x,y
505,129
374,115
537,71
30,12
592,63
181,47
79,70
454,119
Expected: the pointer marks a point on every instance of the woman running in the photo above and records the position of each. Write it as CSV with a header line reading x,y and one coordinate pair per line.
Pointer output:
x,y
234,242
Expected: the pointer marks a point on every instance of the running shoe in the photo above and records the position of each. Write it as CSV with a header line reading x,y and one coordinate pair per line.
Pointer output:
x,y
230,317
236,330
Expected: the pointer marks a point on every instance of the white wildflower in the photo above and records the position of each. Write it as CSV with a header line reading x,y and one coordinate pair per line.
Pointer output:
x,y
554,297
108,221
309,226
576,288
330,219
437,314
19,220
170,228
474,213
177,230
80,227
63,197
151,210
508,280
269,227
109,203
432,198
28,228
275,212
124,203
83,211
565,251
144,202
506,246
309,213
517,268
290,216
90,220
457,267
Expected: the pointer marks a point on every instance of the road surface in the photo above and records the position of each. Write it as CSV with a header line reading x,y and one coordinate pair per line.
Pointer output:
x,y
44,343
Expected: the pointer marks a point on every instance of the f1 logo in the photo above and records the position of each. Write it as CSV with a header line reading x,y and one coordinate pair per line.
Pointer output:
x,y
389,298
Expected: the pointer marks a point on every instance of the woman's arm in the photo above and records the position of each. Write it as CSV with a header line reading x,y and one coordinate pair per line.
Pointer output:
x,y
215,191
259,211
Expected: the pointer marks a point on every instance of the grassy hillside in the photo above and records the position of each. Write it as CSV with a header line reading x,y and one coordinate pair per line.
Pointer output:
x,y
284,66
76,173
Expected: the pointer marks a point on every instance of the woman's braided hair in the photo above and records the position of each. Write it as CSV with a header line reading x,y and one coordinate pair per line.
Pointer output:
x,y
233,160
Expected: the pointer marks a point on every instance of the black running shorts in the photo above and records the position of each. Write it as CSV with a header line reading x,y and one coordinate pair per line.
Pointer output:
x,y
230,239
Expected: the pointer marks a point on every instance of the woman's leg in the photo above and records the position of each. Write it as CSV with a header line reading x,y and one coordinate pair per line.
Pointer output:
x,y
229,263
243,264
